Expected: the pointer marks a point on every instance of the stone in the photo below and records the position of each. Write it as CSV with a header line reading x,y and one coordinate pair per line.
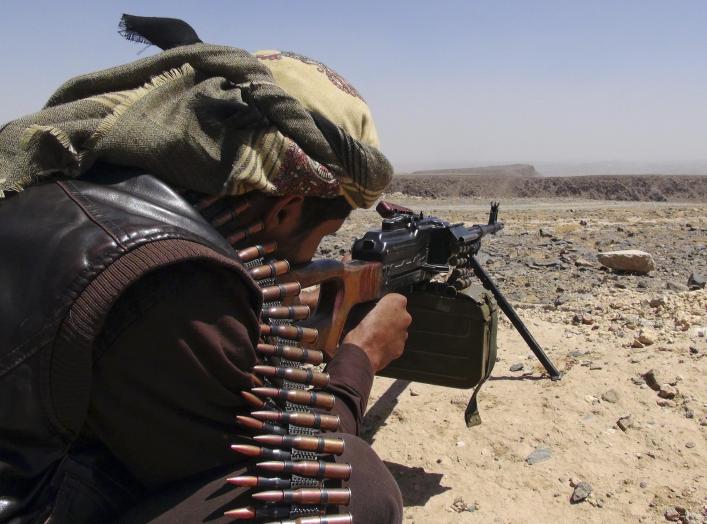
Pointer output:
x,y
658,301
611,396
667,391
625,423
581,262
581,492
652,379
518,366
647,337
677,287
671,514
689,445
459,505
631,260
665,403
539,455
696,281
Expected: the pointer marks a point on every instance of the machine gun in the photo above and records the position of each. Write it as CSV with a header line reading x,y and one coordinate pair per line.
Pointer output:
x,y
452,337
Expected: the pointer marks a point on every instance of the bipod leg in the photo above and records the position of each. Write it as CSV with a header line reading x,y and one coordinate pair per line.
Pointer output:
x,y
506,307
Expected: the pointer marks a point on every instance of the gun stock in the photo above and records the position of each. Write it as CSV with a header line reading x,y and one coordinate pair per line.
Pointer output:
x,y
343,285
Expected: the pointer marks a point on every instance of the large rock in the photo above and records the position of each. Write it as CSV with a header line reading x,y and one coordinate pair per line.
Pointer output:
x,y
696,281
627,260
581,492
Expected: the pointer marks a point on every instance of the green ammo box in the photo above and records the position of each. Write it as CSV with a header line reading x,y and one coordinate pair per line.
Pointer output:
x,y
452,340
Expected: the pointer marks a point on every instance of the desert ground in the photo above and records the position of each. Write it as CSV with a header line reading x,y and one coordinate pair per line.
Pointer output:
x,y
628,420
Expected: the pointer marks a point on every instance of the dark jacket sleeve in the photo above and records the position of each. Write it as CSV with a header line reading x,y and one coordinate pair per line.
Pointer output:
x,y
351,378
174,356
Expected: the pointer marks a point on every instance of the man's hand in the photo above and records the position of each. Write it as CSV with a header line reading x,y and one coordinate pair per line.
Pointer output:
x,y
383,331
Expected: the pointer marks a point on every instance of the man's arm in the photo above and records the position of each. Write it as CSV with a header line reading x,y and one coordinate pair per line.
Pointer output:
x,y
172,360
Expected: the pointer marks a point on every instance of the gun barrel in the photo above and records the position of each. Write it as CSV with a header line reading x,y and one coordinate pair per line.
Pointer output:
x,y
477,231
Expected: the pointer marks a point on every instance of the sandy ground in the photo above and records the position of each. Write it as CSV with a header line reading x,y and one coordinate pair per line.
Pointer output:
x,y
450,473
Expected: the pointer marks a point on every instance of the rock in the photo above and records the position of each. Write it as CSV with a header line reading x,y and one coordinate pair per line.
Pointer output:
x,y
652,379
583,318
677,287
581,262
647,337
583,222
581,492
562,299
689,445
627,260
658,301
696,281
643,484
667,391
610,395
625,423
459,505
665,403
516,367
671,514
694,350
547,263
413,393
539,455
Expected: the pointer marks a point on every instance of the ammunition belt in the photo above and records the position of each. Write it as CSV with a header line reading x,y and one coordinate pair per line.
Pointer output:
x,y
297,457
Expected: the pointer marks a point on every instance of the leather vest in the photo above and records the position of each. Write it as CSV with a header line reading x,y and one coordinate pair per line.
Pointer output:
x,y
68,250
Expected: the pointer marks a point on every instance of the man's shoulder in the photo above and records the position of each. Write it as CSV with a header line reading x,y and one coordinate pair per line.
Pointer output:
x,y
189,290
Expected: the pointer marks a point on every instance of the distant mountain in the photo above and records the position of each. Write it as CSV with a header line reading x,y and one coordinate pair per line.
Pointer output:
x,y
656,188
511,170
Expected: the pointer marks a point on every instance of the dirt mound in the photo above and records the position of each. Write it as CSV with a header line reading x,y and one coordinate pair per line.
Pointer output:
x,y
644,188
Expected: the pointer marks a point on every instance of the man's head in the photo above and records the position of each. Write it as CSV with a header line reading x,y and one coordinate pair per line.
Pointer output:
x,y
296,223
274,127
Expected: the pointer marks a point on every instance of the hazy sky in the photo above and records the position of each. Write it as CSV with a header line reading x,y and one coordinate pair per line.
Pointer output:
x,y
450,83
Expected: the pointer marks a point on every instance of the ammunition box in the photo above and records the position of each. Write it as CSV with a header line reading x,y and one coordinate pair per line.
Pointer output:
x,y
452,340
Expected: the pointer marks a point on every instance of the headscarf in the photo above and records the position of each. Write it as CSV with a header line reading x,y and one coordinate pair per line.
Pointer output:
x,y
212,119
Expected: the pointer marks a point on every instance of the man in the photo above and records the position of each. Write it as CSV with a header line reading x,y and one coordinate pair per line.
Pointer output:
x,y
128,324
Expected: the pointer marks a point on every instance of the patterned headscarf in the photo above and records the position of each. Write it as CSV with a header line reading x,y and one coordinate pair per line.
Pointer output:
x,y
213,119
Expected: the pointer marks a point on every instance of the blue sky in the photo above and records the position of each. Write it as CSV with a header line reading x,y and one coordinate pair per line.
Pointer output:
x,y
450,83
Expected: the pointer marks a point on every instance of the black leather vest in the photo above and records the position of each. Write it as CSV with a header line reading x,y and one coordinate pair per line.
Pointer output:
x,y
67,251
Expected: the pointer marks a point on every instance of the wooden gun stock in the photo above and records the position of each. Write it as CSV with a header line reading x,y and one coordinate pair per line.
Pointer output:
x,y
343,285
